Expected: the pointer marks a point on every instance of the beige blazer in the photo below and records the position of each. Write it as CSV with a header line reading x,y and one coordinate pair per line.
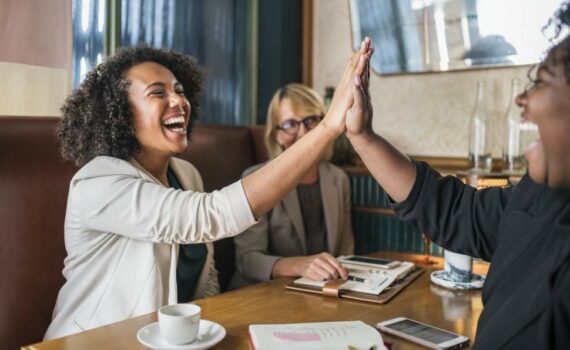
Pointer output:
x,y
122,229
281,232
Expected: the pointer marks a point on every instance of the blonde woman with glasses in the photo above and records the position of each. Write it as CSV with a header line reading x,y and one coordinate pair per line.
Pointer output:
x,y
303,233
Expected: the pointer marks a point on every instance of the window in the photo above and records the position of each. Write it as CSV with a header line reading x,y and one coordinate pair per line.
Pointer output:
x,y
218,33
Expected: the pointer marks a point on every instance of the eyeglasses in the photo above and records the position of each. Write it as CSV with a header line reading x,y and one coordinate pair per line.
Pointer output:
x,y
291,126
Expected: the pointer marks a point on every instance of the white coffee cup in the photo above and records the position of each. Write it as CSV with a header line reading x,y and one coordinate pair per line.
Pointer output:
x,y
179,323
458,267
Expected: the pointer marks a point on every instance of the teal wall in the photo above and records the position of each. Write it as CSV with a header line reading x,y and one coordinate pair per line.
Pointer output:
x,y
375,231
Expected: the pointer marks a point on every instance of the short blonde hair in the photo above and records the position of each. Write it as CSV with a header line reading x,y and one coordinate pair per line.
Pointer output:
x,y
301,96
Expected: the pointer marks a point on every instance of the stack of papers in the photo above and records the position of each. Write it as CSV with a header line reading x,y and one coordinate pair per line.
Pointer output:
x,y
321,335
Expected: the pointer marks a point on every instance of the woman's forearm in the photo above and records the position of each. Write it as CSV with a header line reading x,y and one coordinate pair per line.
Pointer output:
x,y
268,185
286,267
393,170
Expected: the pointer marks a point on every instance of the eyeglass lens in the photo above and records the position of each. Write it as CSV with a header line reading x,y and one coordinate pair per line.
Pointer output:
x,y
292,125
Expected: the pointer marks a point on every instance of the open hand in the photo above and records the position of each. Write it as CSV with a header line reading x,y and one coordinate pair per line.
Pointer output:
x,y
359,118
344,97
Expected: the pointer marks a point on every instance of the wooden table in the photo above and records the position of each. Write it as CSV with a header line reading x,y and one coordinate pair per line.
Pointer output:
x,y
457,311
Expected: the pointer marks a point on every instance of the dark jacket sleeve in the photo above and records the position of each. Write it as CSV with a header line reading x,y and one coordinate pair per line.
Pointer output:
x,y
455,216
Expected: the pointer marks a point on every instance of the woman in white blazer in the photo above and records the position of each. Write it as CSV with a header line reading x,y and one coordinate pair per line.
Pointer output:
x,y
132,205
304,232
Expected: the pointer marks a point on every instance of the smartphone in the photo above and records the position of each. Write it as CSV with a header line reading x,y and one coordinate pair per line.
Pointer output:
x,y
423,334
369,261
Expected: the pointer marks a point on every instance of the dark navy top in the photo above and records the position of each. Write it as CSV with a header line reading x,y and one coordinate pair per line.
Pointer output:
x,y
191,259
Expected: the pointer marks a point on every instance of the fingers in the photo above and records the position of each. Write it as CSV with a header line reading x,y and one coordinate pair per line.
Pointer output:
x,y
359,96
357,64
318,273
366,75
327,267
361,66
341,270
365,45
362,69
357,57
364,56
343,98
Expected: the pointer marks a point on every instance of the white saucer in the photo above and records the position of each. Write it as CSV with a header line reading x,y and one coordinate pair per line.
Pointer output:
x,y
439,278
210,334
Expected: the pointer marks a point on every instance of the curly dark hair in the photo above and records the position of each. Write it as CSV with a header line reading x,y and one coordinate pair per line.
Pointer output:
x,y
97,118
561,21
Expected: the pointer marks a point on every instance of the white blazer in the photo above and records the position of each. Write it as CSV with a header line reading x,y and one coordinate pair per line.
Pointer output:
x,y
122,229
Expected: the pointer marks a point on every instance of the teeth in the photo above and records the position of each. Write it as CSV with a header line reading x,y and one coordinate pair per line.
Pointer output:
x,y
173,120
529,126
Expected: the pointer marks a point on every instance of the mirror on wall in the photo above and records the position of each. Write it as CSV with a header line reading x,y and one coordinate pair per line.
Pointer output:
x,y
414,36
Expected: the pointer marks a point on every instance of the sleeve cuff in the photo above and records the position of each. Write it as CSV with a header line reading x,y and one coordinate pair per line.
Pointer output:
x,y
266,263
415,192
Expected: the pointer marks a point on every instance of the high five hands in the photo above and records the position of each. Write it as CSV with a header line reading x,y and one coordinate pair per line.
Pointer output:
x,y
357,70
359,118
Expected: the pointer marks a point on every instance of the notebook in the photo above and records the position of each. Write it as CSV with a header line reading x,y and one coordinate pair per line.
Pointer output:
x,y
319,335
366,284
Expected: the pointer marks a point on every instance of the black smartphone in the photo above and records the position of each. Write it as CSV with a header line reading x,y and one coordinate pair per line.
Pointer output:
x,y
369,261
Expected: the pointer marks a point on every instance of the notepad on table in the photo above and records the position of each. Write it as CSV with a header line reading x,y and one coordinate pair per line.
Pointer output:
x,y
365,279
319,335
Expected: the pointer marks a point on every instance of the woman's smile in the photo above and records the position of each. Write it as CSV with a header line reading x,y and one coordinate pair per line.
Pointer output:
x,y
175,123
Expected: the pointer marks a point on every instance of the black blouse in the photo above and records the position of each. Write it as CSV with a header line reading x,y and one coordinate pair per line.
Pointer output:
x,y
191,259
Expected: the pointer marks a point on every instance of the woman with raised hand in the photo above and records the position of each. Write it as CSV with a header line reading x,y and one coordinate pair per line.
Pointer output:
x,y
524,231
304,232
133,203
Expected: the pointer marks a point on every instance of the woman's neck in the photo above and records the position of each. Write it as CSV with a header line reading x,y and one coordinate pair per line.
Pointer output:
x,y
156,166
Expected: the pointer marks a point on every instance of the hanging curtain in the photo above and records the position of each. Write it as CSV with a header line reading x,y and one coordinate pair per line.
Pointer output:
x,y
89,27
213,31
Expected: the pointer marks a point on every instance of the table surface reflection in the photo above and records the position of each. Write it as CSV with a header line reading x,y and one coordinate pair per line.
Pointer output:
x,y
270,302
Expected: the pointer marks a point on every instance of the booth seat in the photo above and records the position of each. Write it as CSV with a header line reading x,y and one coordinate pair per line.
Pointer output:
x,y
34,182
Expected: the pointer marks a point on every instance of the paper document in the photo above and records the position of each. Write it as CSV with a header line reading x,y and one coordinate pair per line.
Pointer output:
x,y
365,279
320,335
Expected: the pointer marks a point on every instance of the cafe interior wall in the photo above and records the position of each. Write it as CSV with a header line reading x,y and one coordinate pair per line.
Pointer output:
x,y
422,114
35,56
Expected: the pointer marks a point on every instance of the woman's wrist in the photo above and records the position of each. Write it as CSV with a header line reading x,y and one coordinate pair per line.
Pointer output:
x,y
331,130
281,268
362,138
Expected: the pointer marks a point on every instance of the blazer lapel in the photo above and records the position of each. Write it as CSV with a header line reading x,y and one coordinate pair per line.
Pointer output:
x,y
330,198
293,208
144,173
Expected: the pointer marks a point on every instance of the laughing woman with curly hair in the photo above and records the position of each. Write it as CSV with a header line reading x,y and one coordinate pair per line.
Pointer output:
x,y
138,227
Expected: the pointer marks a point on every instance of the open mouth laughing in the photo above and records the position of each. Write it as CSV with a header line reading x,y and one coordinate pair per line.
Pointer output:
x,y
175,123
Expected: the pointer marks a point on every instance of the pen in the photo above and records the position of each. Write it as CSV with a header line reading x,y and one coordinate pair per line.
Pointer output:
x,y
357,279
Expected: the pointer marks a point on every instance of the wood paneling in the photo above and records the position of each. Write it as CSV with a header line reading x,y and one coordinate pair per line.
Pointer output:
x,y
307,42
